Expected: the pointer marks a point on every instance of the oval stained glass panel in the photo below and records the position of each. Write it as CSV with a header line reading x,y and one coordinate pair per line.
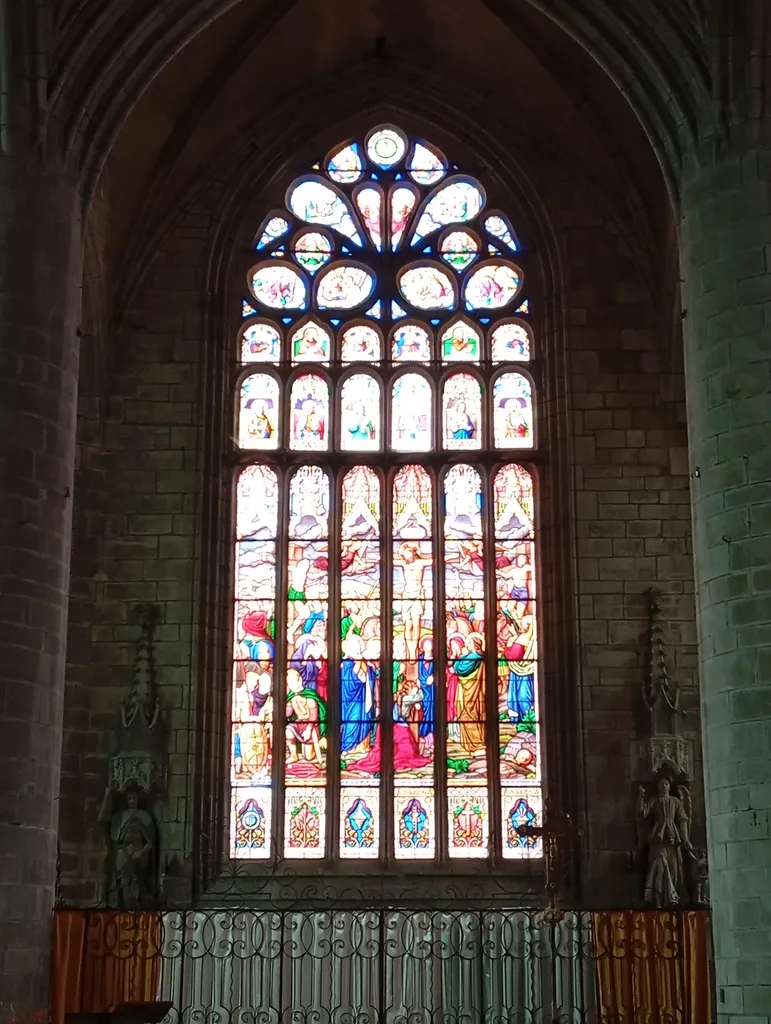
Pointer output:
x,y
310,343
462,412
425,167
260,343
386,147
427,287
346,166
312,251
403,202
369,203
275,228
257,504
258,414
279,286
344,286
501,229
410,343
454,203
411,414
360,343
317,203
510,343
460,342
491,286
360,414
309,414
513,411
459,249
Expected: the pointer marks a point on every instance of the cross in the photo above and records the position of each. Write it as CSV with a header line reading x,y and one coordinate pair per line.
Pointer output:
x,y
466,818
557,826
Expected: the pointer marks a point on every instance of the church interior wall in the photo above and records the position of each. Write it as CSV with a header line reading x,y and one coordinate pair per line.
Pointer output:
x,y
141,483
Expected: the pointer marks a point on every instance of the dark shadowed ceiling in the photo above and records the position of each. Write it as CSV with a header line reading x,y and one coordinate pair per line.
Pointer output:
x,y
261,64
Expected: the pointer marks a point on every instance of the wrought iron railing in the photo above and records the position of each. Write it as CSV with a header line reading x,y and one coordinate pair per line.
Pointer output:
x,y
389,966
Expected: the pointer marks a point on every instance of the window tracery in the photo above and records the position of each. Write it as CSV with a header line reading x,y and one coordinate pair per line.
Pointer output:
x,y
385,701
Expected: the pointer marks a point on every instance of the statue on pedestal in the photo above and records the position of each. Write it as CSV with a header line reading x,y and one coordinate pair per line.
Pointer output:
x,y
665,822
672,873
133,861
136,778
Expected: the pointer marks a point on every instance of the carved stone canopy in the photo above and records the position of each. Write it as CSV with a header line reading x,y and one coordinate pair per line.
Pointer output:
x,y
660,693
663,755
661,748
139,760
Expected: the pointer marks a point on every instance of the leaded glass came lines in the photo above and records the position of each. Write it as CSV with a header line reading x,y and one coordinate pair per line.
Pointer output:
x,y
385,703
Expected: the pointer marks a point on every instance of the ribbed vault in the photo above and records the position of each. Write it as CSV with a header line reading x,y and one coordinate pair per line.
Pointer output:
x,y
108,54
151,102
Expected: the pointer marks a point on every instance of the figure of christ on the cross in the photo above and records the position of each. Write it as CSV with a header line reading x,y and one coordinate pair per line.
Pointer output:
x,y
414,564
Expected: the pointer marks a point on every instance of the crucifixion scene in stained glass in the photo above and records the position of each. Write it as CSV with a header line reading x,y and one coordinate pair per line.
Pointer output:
x,y
385,701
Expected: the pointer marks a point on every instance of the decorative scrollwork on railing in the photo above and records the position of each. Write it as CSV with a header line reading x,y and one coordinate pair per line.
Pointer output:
x,y
380,966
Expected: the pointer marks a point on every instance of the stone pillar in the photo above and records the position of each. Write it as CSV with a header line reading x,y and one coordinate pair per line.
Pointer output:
x,y
726,270
40,259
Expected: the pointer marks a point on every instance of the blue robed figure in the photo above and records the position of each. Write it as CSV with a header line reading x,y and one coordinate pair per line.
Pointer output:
x,y
426,679
357,696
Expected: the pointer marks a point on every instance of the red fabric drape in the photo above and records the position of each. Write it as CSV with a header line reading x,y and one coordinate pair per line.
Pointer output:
x,y
100,959
652,967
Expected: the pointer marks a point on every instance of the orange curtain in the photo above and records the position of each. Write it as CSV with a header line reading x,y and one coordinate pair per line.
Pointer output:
x,y
652,967
100,959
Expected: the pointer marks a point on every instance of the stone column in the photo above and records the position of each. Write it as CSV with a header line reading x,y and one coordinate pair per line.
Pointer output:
x,y
40,258
726,270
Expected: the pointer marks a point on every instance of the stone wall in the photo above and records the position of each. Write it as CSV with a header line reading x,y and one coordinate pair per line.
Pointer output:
x,y
137,492
138,531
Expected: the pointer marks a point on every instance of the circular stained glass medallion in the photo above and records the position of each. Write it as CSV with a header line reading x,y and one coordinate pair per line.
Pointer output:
x,y
386,146
312,250
344,286
279,286
491,286
427,287
459,249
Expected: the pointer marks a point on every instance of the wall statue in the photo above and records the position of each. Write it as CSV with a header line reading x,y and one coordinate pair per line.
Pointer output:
x,y
136,778
132,869
664,828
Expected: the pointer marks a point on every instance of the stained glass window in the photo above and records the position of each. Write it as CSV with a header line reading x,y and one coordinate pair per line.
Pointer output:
x,y
385,703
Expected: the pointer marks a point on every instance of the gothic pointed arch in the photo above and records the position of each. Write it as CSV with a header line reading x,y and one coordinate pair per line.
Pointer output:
x,y
385,697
